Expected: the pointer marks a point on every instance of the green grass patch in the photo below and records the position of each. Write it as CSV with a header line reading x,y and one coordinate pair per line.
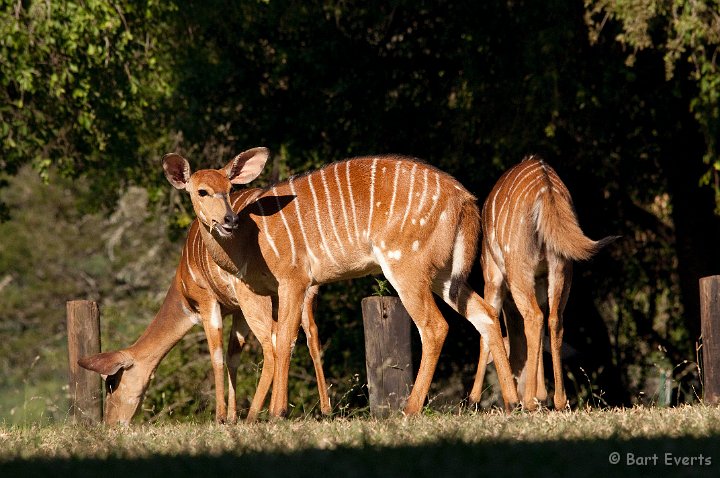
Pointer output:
x,y
464,444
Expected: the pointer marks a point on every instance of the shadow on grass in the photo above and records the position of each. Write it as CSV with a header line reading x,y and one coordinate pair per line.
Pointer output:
x,y
676,457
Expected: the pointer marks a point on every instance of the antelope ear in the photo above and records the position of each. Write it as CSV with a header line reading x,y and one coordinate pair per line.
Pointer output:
x,y
247,165
177,170
107,363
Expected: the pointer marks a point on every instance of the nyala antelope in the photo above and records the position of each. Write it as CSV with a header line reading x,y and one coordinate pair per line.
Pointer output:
x,y
531,233
202,292
387,214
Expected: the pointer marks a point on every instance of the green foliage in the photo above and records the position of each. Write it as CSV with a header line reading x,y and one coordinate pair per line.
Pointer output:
x,y
81,84
620,97
685,32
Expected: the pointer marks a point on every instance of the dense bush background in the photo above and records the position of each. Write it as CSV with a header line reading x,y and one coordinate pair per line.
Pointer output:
x,y
620,97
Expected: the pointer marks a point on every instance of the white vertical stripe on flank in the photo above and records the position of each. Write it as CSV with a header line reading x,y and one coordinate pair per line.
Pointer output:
x,y
352,200
265,229
410,195
328,252
508,194
435,198
519,203
424,193
342,202
285,223
373,169
330,211
392,201
299,218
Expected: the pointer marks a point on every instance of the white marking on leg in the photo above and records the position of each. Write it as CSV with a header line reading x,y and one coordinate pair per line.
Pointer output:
x,y
328,252
352,201
458,255
384,265
373,168
330,211
218,356
481,321
287,227
194,317
216,317
342,202
300,222
410,193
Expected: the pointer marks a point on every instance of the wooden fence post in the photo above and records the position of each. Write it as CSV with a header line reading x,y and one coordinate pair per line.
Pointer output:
x,y
388,355
710,329
83,329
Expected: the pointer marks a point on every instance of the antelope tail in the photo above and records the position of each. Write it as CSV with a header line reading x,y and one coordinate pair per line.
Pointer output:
x,y
465,249
559,231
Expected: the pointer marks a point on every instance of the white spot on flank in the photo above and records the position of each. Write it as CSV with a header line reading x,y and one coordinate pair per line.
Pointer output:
x,y
506,248
443,216
422,221
415,245
382,245
395,254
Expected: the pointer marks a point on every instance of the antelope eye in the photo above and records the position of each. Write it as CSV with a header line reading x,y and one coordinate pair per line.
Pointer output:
x,y
202,193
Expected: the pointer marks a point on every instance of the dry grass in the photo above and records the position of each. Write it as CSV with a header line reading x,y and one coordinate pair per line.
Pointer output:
x,y
544,443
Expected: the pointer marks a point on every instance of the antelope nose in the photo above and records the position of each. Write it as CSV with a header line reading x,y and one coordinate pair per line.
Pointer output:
x,y
231,220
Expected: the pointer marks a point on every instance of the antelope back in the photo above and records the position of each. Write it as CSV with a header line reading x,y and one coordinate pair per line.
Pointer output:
x,y
350,217
529,213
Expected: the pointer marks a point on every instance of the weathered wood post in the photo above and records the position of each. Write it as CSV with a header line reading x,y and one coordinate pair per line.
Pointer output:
x,y
710,329
388,355
83,329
